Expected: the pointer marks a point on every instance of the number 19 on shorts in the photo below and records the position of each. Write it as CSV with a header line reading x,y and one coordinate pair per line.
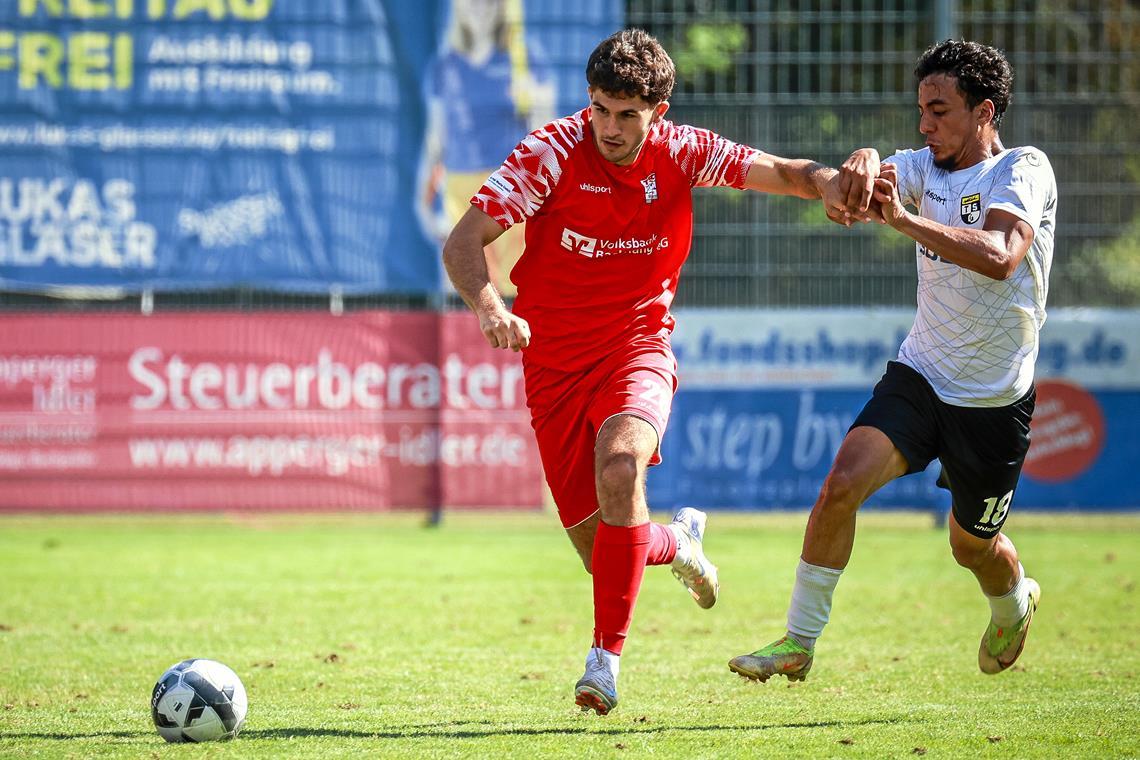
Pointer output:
x,y
995,509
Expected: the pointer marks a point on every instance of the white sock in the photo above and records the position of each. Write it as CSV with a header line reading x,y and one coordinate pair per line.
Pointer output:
x,y
1012,606
613,660
811,602
683,544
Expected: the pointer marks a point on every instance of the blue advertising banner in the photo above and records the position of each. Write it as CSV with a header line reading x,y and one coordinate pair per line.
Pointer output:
x,y
766,398
274,144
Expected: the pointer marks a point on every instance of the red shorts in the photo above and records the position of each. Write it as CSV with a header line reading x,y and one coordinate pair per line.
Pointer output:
x,y
568,409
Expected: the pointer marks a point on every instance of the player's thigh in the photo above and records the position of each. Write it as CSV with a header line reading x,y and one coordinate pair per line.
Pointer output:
x,y
626,434
621,457
631,411
866,461
565,440
638,388
983,453
904,409
895,433
567,454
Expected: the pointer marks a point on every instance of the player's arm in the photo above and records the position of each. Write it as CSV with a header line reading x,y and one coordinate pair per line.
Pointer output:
x,y
995,251
804,178
467,267
788,176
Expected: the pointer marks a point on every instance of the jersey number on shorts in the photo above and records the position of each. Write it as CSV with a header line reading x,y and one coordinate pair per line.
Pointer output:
x,y
652,393
996,509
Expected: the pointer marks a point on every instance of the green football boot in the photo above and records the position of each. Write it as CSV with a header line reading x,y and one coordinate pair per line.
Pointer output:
x,y
780,658
1002,645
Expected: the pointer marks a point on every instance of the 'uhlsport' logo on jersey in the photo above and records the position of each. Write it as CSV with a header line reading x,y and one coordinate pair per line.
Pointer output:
x,y
594,188
650,185
936,198
971,208
594,248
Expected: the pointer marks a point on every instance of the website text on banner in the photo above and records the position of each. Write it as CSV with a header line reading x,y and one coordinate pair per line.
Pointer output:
x,y
372,410
767,396
271,144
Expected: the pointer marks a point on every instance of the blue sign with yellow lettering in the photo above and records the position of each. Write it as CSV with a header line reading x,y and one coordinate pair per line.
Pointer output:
x,y
274,144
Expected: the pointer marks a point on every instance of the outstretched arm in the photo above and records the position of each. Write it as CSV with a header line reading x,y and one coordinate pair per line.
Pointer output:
x,y
466,265
788,176
995,251
804,178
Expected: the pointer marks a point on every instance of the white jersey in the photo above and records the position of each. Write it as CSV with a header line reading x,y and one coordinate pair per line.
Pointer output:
x,y
975,339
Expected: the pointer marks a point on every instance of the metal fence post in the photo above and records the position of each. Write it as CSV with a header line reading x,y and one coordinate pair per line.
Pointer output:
x,y
944,20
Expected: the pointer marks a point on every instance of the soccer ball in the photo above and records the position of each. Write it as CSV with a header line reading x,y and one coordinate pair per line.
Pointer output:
x,y
198,701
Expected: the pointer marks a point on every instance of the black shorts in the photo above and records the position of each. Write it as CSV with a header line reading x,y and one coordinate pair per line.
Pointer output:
x,y
981,449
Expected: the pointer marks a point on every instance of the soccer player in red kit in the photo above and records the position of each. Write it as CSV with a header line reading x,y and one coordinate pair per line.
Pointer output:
x,y
606,195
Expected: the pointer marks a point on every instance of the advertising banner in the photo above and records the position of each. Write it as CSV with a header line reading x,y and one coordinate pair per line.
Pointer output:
x,y
371,410
275,144
767,396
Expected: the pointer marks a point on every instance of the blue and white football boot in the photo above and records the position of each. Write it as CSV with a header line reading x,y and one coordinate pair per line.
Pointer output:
x,y
691,567
597,688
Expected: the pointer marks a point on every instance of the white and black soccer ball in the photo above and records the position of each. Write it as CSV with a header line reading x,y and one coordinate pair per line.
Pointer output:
x,y
198,701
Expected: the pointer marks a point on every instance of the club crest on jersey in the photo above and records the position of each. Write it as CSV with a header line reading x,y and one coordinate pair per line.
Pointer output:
x,y
650,185
971,208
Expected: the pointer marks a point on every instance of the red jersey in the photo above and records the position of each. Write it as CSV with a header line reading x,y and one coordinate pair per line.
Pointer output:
x,y
604,243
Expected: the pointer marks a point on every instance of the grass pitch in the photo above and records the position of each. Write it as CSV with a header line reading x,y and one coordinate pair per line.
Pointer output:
x,y
371,636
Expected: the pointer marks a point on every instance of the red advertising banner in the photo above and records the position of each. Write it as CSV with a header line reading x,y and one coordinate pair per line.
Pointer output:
x,y
201,411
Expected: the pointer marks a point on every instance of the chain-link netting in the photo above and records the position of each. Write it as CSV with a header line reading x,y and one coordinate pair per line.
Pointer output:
x,y
818,79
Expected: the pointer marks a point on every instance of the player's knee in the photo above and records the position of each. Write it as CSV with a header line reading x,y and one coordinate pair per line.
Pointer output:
x,y
841,491
970,553
617,474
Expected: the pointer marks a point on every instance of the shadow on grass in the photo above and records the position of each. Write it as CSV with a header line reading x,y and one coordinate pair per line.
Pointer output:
x,y
85,735
471,730
481,729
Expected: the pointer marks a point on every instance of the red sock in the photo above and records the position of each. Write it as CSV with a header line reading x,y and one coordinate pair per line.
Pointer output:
x,y
662,545
618,564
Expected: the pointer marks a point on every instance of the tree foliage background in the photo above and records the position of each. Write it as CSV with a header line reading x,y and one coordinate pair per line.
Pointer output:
x,y
821,77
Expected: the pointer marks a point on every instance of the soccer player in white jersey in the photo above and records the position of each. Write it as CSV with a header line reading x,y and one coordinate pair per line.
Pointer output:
x,y
962,387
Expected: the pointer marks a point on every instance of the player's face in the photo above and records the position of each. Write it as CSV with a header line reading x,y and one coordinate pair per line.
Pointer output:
x,y
620,125
952,129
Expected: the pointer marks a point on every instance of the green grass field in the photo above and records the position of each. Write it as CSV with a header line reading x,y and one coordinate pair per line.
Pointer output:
x,y
370,636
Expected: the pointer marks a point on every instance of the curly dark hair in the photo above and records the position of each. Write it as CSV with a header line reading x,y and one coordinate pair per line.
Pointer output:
x,y
982,72
632,63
